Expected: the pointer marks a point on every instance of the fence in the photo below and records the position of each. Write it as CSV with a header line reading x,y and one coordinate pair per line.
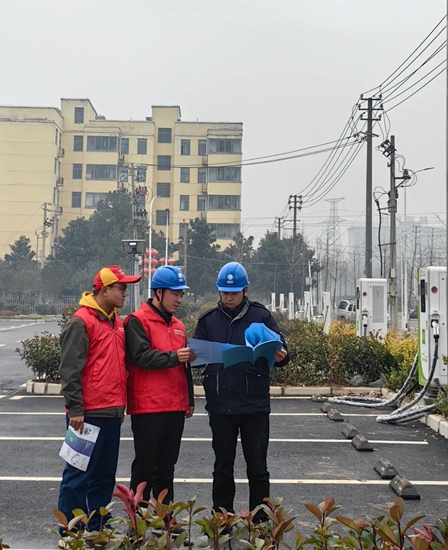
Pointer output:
x,y
30,304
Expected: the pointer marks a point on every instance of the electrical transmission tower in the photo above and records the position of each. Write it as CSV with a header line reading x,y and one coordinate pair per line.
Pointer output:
x,y
333,225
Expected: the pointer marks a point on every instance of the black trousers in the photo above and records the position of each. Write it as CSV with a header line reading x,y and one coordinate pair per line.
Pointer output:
x,y
157,438
254,431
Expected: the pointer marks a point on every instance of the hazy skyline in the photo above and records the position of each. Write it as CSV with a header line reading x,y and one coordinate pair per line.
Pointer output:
x,y
289,70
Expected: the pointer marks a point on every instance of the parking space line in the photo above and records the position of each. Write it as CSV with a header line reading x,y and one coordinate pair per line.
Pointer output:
x,y
305,481
18,397
209,439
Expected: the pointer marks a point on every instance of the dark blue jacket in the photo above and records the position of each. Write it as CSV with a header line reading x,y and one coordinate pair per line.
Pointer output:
x,y
241,388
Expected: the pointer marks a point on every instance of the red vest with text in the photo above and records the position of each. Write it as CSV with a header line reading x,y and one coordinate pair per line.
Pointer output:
x,y
104,374
158,390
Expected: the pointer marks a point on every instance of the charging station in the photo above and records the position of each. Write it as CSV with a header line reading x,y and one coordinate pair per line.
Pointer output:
x,y
371,307
432,318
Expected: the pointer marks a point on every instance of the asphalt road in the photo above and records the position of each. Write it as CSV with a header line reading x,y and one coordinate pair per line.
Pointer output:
x,y
13,372
309,460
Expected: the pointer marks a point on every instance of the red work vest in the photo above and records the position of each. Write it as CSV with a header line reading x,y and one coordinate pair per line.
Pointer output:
x,y
158,390
104,375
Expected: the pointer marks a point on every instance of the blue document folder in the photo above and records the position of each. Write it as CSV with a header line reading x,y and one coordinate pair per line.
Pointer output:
x,y
261,341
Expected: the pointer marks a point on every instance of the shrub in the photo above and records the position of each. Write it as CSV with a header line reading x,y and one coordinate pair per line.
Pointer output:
x,y
403,348
42,355
221,530
46,309
7,313
66,315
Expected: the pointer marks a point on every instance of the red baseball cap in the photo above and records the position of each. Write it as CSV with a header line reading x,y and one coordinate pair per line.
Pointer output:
x,y
113,274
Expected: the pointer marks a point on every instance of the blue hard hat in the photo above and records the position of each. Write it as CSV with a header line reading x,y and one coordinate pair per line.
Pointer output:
x,y
232,278
169,277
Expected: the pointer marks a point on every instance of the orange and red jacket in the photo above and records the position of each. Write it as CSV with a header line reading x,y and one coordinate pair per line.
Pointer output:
x,y
158,390
104,374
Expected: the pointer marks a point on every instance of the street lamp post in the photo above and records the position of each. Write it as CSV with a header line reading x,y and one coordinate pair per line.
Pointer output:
x,y
150,243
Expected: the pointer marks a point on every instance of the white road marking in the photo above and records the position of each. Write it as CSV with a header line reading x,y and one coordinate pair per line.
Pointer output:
x,y
319,481
209,439
2,396
1,345
22,326
19,397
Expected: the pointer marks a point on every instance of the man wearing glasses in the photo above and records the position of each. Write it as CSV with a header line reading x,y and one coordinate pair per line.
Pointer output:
x,y
93,378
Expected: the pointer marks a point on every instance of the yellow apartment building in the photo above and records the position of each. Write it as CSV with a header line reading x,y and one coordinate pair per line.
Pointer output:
x,y
57,164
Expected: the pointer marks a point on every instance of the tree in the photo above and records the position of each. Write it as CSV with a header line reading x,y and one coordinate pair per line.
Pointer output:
x,y
55,277
281,266
21,253
204,258
76,246
241,250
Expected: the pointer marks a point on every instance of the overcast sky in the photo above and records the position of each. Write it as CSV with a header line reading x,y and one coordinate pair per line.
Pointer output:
x,y
290,70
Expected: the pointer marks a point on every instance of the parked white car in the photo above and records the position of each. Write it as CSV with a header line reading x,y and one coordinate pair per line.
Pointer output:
x,y
346,311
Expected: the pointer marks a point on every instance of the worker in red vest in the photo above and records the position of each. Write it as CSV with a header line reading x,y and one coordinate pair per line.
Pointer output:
x,y
160,387
93,378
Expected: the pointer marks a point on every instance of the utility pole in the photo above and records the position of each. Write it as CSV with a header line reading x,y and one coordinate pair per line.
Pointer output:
x,y
279,225
446,183
295,203
369,182
44,235
392,207
184,237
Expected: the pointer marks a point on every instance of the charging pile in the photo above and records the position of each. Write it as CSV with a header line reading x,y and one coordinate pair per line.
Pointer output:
x,y
431,359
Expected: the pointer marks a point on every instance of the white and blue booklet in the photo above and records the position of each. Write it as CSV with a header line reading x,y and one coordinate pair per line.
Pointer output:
x,y
78,447
261,341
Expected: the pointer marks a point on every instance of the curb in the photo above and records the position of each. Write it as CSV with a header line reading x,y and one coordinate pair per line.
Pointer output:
x,y
48,388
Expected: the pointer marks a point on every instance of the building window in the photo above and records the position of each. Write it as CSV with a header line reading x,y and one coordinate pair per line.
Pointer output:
x,y
142,146
124,149
56,137
102,143
76,199
55,166
164,135
224,202
202,175
202,147
162,217
77,172
79,115
224,173
224,146
92,199
226,230
201,203
185,175
185,147
163,190
101,172
163,162
60,139
184,202
78,143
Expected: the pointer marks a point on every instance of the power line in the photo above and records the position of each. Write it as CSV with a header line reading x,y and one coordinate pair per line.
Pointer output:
x,y
416,91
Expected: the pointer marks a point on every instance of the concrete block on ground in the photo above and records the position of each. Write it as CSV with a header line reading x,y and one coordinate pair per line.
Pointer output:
x,y
276,391
29,386
53,389
443,428
303,391
433,421
40,388
199,391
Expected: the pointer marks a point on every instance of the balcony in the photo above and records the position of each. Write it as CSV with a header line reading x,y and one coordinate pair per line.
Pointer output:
x,y
61,153
59,181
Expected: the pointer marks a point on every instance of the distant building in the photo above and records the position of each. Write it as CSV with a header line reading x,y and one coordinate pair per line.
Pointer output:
x,y
70,158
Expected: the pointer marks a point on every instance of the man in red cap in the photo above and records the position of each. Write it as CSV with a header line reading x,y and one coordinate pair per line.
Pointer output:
x,y
93,377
